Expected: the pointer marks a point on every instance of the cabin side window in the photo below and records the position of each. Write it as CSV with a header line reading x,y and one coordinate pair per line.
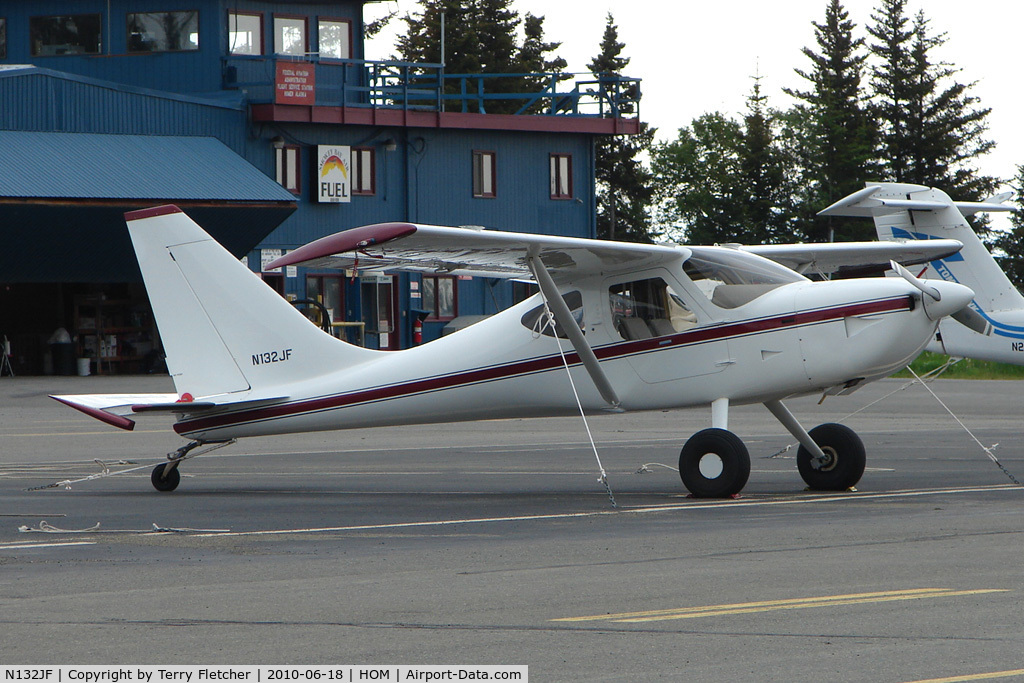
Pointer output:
x,y
648,308
538,320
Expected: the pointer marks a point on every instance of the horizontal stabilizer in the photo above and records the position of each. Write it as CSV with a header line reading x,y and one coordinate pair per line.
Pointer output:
x,y
878,200
113,409
191,407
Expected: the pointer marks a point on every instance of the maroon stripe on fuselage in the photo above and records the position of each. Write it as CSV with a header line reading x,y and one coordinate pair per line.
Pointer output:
x,y
542,364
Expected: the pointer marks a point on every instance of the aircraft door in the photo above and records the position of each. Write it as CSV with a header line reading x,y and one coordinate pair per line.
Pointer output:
x,y
660,320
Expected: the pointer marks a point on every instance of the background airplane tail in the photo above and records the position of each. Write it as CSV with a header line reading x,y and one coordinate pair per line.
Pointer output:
x,y
915,212
224,330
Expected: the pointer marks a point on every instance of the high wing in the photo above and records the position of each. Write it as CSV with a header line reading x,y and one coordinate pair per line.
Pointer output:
x,y
443,250
473,251
854,259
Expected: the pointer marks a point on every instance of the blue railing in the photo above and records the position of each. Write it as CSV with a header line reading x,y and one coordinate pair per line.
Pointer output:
x,y
426,87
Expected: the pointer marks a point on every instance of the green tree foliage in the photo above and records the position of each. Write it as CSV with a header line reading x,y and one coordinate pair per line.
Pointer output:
x,y
695,180
834,126
722,180
374,27
624,184
764,178
481,37
931,129
1009,246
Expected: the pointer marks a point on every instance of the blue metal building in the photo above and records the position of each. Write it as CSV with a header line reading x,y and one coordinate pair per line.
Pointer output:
x,y
264,123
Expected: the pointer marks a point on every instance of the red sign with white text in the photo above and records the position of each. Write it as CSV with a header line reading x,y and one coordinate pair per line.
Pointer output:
x,y
295,83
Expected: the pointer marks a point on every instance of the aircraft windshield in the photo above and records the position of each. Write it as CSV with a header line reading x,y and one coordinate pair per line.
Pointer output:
x,y
732,278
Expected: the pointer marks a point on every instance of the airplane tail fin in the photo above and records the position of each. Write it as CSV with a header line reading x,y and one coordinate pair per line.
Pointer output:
x,y
915,212
224,330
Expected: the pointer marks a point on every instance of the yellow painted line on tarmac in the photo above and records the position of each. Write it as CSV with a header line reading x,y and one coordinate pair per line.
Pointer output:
x,y
59,544
773,605
99,432
1012,673
656,509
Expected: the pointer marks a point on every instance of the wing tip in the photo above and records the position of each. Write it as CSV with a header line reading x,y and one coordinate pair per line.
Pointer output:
x,y
346,240
101,415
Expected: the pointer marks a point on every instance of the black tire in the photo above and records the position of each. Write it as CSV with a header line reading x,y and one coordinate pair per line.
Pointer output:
x,y
165,483
725,459
846,459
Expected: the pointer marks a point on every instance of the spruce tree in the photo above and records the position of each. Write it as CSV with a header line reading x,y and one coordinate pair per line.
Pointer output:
x,y
481,38
624,185
931,128
836,157
533,58
1009,246
892,83
764,183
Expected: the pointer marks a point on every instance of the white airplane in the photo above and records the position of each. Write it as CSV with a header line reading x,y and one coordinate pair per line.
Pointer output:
x,y
914,212
649,326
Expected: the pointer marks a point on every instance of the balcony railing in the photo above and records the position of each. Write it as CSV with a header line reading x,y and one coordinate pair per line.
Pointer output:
x,y
426,87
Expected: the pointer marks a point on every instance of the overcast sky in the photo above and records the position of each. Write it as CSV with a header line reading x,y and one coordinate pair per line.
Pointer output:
x,y
696,57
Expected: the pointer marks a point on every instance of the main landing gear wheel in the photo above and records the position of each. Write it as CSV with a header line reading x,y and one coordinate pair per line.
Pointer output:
x,y
844,458
714,463
168,482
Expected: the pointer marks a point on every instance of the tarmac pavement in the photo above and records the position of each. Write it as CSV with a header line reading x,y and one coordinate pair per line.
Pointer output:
x,y
493,543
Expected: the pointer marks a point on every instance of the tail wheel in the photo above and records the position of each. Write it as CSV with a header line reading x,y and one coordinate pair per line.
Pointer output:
x,y
714,463
168,482
844,459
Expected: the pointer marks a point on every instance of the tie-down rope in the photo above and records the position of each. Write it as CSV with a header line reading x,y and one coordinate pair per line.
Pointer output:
x,y
549,321
988,449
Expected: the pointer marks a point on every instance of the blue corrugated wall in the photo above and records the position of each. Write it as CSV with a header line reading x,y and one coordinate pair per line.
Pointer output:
x,y
197,71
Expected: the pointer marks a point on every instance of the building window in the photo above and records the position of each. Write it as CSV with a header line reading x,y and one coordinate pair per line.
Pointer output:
x,y
328,290
335,37
163,31
76,34
440,297
484,174
245,33
363,171
561,176
287,167
3,38
290,35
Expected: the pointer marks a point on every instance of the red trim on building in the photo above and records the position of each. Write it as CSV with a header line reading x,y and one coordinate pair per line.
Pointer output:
x,y
373,116
164,210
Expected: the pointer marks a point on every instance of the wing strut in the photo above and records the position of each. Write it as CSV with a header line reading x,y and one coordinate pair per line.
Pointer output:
x,y
564,317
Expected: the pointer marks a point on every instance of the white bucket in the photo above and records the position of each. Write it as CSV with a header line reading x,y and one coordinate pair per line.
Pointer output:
x,y
83,367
